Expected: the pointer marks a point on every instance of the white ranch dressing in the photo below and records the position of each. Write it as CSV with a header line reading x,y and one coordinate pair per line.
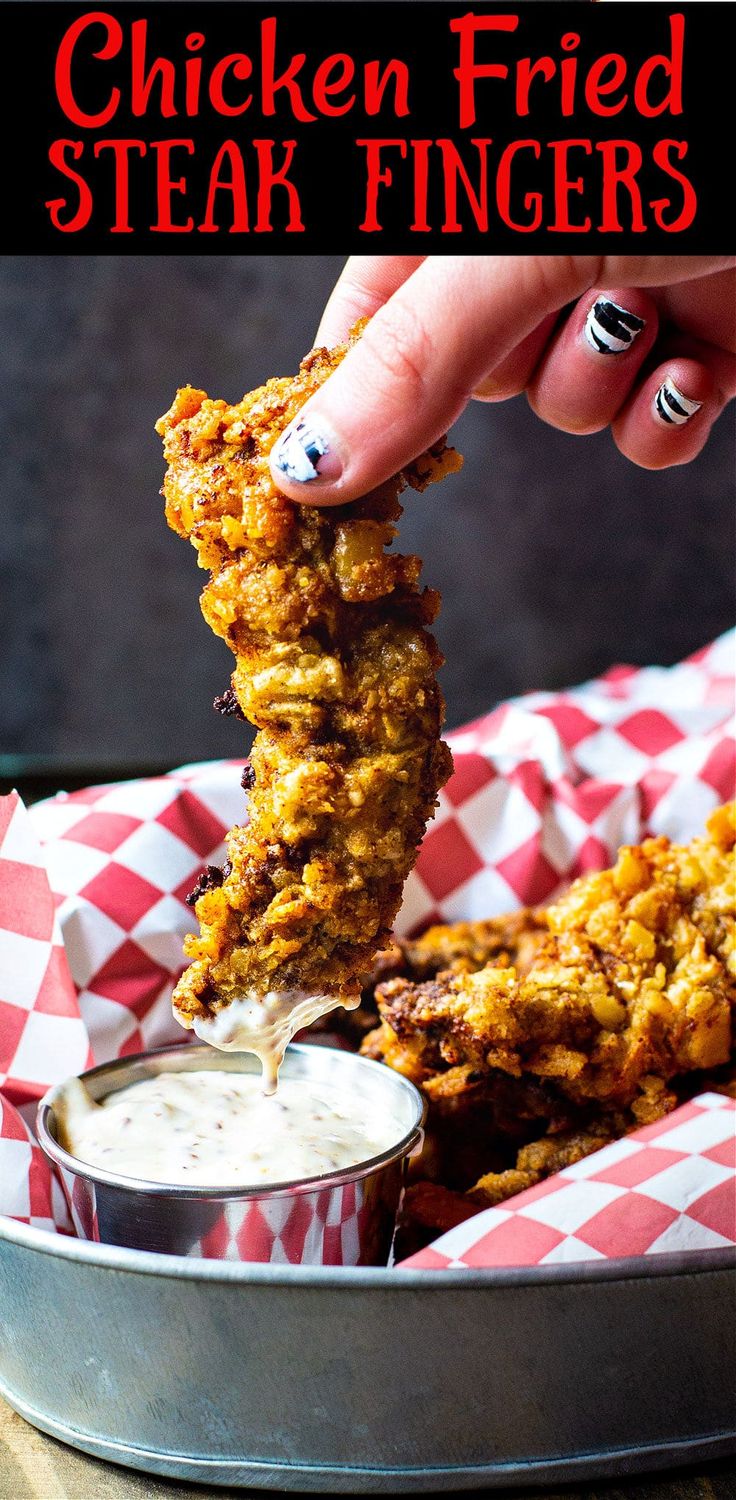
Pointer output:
x,y
219,1129
265,1025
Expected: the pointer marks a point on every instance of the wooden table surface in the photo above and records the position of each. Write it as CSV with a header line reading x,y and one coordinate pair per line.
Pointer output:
x,y
35,1467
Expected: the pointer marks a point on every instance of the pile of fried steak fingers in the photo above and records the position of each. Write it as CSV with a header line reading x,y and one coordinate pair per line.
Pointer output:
x,y
539,1037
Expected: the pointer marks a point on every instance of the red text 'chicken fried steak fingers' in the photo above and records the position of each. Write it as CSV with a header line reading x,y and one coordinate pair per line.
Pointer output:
x,y
337,671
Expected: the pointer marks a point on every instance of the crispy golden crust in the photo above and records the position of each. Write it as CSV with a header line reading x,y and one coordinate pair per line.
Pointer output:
x,y
459,948
433,1206
540,1159
335,668
634,980
430,1205
462,948
632,991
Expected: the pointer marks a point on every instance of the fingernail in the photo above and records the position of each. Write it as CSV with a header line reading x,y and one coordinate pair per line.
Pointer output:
x,y
611,329
305,451
671,406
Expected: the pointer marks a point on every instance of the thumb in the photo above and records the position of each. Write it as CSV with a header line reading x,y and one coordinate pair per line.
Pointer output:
x,y
415,368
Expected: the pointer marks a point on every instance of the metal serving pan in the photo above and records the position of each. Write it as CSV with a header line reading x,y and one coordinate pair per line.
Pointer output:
x,y
367,1381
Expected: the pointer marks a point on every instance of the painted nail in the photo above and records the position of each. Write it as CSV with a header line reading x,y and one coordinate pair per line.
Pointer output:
x,y
671,406
611,329
304,452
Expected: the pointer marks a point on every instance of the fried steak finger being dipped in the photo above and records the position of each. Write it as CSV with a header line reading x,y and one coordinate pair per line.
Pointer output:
x,y
337,671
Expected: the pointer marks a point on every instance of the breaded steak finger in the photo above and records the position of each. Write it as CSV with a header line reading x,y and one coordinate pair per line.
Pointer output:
x,y
337,671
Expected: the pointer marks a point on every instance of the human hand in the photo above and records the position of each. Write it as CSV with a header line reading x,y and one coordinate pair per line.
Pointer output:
x,y
647,346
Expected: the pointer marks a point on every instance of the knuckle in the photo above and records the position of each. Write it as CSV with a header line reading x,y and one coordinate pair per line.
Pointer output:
x,y
401,346
559,278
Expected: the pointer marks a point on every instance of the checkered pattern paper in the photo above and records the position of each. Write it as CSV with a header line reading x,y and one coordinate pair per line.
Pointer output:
x,y
545,788
42,1035
29,1190
121,861
549,786
670,1186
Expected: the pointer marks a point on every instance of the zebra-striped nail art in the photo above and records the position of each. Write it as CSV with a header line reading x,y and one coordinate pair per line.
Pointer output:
x,y
672,407
611,329
298,451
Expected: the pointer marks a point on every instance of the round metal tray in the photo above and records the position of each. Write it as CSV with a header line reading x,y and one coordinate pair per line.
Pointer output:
x,y
368,1381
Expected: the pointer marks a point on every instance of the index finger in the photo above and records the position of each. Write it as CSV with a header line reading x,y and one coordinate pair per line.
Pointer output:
x,y
364,284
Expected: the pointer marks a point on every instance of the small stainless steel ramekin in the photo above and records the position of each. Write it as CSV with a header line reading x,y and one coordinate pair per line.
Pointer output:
x,y
344,1218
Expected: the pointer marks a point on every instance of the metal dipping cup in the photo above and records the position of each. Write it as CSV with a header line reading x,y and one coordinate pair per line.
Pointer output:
x,y
344,1218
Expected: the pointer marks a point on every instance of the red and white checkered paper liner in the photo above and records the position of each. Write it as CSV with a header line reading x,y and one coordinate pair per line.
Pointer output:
x,y
670,1186
545,787
29,1190
43,1037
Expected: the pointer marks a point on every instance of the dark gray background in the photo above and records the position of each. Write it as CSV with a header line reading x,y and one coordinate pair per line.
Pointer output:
x,y
554,555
